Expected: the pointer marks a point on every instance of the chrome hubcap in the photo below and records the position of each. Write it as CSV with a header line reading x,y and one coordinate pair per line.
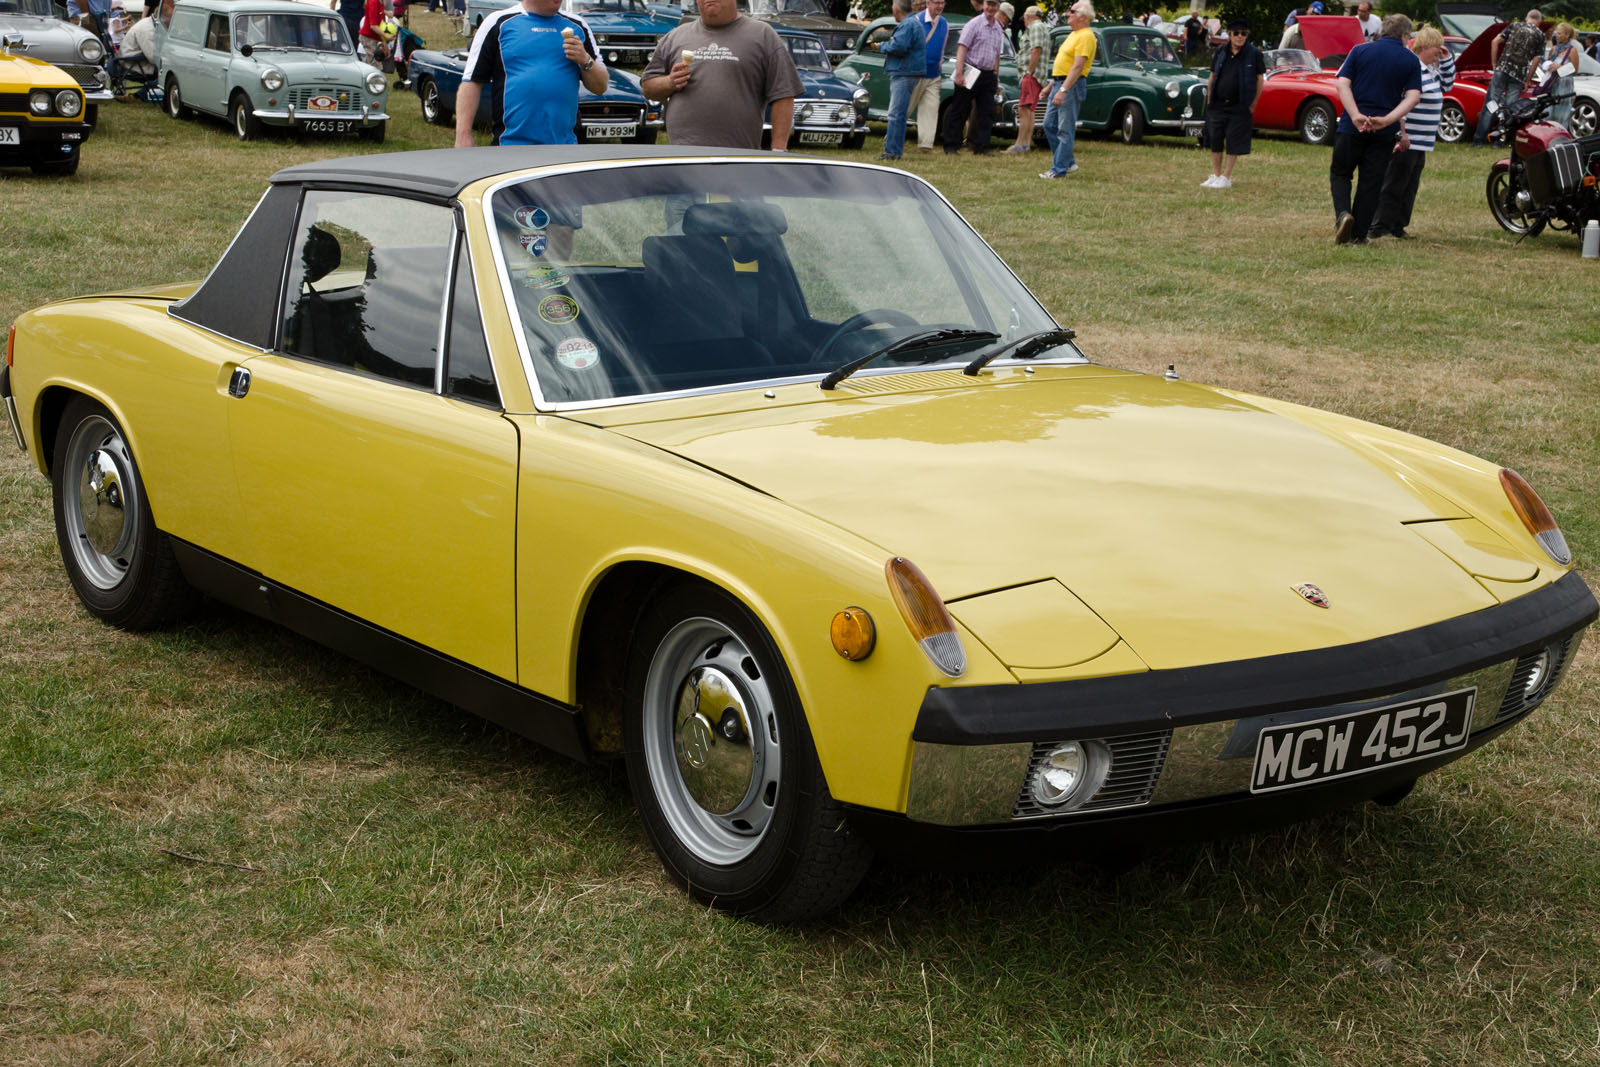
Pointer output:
x,y
711,741
103,517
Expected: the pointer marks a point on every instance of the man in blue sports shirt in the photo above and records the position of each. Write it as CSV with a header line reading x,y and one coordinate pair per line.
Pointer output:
x,y
1378,84
534,57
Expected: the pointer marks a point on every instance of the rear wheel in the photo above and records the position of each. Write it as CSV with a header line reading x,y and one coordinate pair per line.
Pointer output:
x,y
1452,123
1130,124
433,109
1317,123
174,99
1509,204
722,765
246,126
120,565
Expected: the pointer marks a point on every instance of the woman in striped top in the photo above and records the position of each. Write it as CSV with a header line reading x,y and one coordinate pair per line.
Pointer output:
x,y
1400,181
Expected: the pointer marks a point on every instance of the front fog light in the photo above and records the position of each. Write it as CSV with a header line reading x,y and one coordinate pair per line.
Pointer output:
x,y
1070,774
1538,675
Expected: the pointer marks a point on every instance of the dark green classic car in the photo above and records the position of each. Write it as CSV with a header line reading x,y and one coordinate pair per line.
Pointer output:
x,y
1138,84
865,67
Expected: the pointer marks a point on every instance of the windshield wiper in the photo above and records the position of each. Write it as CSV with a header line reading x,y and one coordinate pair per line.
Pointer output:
x,y
1026,346
924,339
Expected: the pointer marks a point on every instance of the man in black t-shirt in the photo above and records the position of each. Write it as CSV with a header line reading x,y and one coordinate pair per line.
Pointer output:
x,y
1237,75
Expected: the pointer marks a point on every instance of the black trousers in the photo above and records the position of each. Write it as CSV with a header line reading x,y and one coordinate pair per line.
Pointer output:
x,y
1399,194
1365,158
978,99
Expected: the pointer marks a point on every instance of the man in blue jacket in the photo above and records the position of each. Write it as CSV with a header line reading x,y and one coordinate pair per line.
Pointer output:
x,y
1378,84
906,54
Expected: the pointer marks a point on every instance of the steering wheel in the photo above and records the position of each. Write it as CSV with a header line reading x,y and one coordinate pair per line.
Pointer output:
x,y
860,321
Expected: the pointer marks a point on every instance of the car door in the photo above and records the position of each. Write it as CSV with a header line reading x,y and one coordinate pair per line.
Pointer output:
x,y
208,88
378,477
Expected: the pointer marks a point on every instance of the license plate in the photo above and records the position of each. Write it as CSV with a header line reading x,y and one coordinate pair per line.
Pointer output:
x,y
1193,129
10,135
819,137
1345,745
327,125
595,131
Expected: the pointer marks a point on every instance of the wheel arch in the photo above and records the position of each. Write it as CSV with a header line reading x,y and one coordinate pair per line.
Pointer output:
x,y
51,405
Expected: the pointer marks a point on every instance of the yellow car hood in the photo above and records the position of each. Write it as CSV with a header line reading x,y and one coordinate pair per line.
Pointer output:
x,y
1182,517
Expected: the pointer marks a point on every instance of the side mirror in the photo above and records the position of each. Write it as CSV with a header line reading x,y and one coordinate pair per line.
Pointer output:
x,y
246,50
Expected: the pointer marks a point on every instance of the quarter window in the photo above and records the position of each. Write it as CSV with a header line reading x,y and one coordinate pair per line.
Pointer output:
x,y
217,33
468,373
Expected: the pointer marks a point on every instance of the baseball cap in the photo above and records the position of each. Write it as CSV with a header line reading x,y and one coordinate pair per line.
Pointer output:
x,y
1008,11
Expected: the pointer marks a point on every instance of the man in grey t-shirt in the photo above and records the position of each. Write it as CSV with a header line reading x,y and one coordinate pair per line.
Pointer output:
x,y
720,72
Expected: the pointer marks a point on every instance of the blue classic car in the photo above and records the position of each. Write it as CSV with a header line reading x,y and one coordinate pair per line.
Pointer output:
x,y
626,30
832,111
620,113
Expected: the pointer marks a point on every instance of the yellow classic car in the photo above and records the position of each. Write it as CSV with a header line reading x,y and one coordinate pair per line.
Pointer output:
x,y
768,477
41,113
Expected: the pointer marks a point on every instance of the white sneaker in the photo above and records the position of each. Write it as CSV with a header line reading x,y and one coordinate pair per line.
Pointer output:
x,y
1222,183
1211,181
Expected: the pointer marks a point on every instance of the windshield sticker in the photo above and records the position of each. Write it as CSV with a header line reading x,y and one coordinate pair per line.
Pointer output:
x,y
533,243
558,310
544,276
531,218
577,353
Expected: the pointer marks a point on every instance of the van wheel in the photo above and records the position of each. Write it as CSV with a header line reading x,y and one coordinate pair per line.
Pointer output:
x,y
246,126
174,99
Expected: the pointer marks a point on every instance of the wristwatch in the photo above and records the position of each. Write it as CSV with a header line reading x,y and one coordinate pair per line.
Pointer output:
x,y
587,67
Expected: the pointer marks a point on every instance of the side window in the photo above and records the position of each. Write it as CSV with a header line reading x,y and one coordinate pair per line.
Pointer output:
x,y
365,288
189,26
217,33
468,372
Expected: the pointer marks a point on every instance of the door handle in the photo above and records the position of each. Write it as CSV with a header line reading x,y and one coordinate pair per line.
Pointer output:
x,y
239,384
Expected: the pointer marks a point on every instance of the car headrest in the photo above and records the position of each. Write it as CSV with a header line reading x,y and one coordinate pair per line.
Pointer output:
x,y
739,218
320,254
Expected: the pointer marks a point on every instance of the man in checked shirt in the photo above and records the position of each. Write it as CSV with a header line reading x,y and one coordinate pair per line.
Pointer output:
x,y
979,46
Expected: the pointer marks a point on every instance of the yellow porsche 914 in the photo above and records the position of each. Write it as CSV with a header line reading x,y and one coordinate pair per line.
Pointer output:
x,y
767,476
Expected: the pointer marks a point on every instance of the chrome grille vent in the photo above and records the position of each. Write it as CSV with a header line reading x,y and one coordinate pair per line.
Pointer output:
x,y
628,40
1519,698
609,111
823,113
1136,762
300,96
85,74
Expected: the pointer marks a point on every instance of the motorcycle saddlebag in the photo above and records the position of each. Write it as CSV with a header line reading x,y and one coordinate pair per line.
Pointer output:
x,y
1555,173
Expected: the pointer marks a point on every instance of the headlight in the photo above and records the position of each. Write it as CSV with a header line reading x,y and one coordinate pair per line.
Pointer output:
x,y
272,79
68,103
1069,775
91,51
1172,90
376,83
860,98
1535,516
804,114
39,102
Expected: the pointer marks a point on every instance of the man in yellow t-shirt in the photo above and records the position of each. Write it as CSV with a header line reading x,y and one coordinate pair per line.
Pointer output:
x,y
1068,89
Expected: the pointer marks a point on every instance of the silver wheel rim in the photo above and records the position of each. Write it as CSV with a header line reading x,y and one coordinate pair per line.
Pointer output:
x,y
1452,125
174,101
430,102
1510,217
711,741
1316,124
103,506
240,122
1127,124
1585,118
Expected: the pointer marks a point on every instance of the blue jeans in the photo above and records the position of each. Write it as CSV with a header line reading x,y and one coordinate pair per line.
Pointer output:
x,y
1061,125
894,139
1502,90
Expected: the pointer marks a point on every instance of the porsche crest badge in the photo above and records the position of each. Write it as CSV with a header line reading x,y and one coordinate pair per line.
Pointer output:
x,y
1312,594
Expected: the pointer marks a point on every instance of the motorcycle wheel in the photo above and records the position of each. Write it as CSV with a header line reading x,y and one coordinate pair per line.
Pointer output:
x,y
1502,191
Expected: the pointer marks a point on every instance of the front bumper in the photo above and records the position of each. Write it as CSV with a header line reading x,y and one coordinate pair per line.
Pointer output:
x,y
342,121
1188,736
10,403
42,142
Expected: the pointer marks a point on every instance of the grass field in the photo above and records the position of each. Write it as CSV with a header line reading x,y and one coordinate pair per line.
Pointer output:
x,y
389,880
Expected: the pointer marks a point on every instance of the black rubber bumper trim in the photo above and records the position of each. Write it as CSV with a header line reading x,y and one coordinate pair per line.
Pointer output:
x,y
1161,700
539,718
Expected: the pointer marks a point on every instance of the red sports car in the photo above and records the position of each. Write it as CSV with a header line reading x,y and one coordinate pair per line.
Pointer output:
x,y
1301,93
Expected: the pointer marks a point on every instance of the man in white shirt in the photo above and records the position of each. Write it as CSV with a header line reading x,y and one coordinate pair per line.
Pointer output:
x,y
1371,25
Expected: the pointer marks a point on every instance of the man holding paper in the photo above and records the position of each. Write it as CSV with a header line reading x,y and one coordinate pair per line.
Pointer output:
x,y
1068,90
976,78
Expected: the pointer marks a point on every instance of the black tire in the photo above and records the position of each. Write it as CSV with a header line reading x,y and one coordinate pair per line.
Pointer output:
x,y
1130,124
646,135
242,114
1585,121
374,133
772,845
1317,122
433,110
120,565
1502,193
1453,128
91,115
174,99
58,168
854,141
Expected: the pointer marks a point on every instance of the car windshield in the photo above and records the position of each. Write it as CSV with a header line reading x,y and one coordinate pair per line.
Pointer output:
x,y
318,33
644,281
787,7
31,7
1290,59
625,7
1139,48
808,53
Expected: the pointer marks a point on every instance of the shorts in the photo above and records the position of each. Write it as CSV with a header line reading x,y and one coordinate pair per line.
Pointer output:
x,y
1031,89
1228,130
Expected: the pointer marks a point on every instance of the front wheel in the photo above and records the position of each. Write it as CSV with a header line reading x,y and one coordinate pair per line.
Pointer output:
x,y
119,563
1585,120
1317,123
1452,123
58,168
433,109
1130,124
722,765
1509,204
246,126
374,133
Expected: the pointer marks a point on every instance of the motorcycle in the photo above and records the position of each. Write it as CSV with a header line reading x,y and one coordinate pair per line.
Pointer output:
x,y
1550,179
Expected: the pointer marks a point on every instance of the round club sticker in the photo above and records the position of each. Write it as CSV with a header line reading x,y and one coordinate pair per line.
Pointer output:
x,y
532,218
533,243
544,276
558,310
577,353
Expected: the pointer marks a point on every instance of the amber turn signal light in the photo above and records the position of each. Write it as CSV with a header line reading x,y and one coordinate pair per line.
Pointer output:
x,y
853,633
926,616
1535,516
